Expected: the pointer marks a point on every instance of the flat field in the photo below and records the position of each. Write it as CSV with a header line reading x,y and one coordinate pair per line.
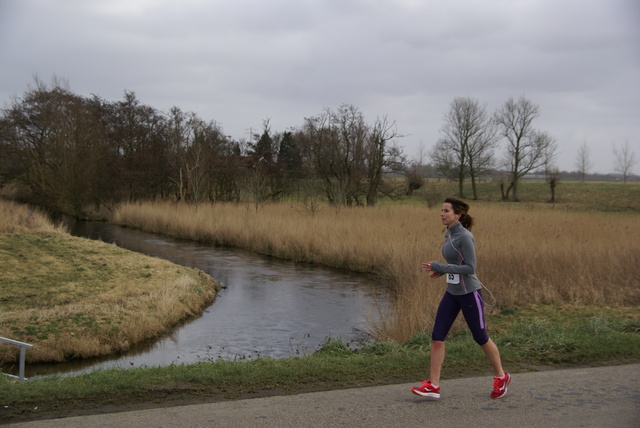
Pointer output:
x,y
564,277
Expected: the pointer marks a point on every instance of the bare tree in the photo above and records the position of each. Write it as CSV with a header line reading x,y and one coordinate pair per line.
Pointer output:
x,y
444,160
69,153
527,148
256,183
51,145
549,155
349,156
337,140
380,156
483,138
195,171
625,159
138,133
466,149
456,132
583,160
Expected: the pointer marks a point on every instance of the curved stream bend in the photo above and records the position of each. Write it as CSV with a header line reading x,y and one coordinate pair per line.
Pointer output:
x,y
270,308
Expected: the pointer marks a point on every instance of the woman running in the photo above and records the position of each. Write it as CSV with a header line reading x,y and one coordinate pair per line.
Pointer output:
x,y
464,292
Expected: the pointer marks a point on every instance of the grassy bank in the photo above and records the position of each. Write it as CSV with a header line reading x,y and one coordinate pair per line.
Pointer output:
x,y
532,338
74,298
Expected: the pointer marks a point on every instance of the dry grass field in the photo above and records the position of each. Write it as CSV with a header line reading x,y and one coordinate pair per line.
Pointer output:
x,y
565,279
73,297
526,255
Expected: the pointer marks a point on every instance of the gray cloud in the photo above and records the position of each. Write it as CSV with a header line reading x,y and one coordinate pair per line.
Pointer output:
x,y
240,62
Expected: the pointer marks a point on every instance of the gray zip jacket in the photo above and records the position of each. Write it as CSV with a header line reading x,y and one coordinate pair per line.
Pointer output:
x,y
459,252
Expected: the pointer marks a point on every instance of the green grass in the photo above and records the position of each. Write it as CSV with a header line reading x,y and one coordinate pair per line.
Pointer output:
x,y
599,196
528,338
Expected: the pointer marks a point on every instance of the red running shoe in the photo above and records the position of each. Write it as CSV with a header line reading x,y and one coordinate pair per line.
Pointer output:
x,y
500,385
427,390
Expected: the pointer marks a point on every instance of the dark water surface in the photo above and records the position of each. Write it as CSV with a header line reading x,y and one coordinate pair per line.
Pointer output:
x,y
270,308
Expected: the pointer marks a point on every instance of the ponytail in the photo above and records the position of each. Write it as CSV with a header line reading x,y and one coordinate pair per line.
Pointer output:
x,y
462,208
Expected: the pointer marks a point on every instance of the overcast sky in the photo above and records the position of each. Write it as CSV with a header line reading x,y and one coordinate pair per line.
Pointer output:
x,y
239,62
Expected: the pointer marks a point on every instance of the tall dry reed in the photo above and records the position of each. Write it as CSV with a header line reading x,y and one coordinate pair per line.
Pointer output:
x,y
15,218
525,255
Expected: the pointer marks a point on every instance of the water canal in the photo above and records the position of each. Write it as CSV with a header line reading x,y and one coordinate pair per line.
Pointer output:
x,y
269,308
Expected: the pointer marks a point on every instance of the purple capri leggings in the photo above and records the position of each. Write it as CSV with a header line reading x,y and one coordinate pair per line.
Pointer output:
x,y
471,305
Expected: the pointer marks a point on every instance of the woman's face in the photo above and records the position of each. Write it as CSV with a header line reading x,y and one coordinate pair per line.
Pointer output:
x,y
447,215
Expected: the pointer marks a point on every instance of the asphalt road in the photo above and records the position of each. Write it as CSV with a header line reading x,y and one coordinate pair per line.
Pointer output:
x,y
593,397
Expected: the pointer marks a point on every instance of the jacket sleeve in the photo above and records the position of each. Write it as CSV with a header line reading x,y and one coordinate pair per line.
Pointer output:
x,y
468,264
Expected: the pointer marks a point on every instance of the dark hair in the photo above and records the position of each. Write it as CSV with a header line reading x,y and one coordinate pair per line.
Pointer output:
x,y
462,208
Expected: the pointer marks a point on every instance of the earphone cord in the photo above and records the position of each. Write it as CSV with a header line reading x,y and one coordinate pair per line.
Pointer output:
x,y
495,302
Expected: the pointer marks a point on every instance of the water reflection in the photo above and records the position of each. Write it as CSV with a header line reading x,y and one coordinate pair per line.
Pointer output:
x,y
270,308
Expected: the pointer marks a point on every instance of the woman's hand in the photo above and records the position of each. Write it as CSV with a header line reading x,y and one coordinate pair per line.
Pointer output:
x,y
427,267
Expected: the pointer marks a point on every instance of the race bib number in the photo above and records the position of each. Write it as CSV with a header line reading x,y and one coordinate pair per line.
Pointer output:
x,y
453,278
